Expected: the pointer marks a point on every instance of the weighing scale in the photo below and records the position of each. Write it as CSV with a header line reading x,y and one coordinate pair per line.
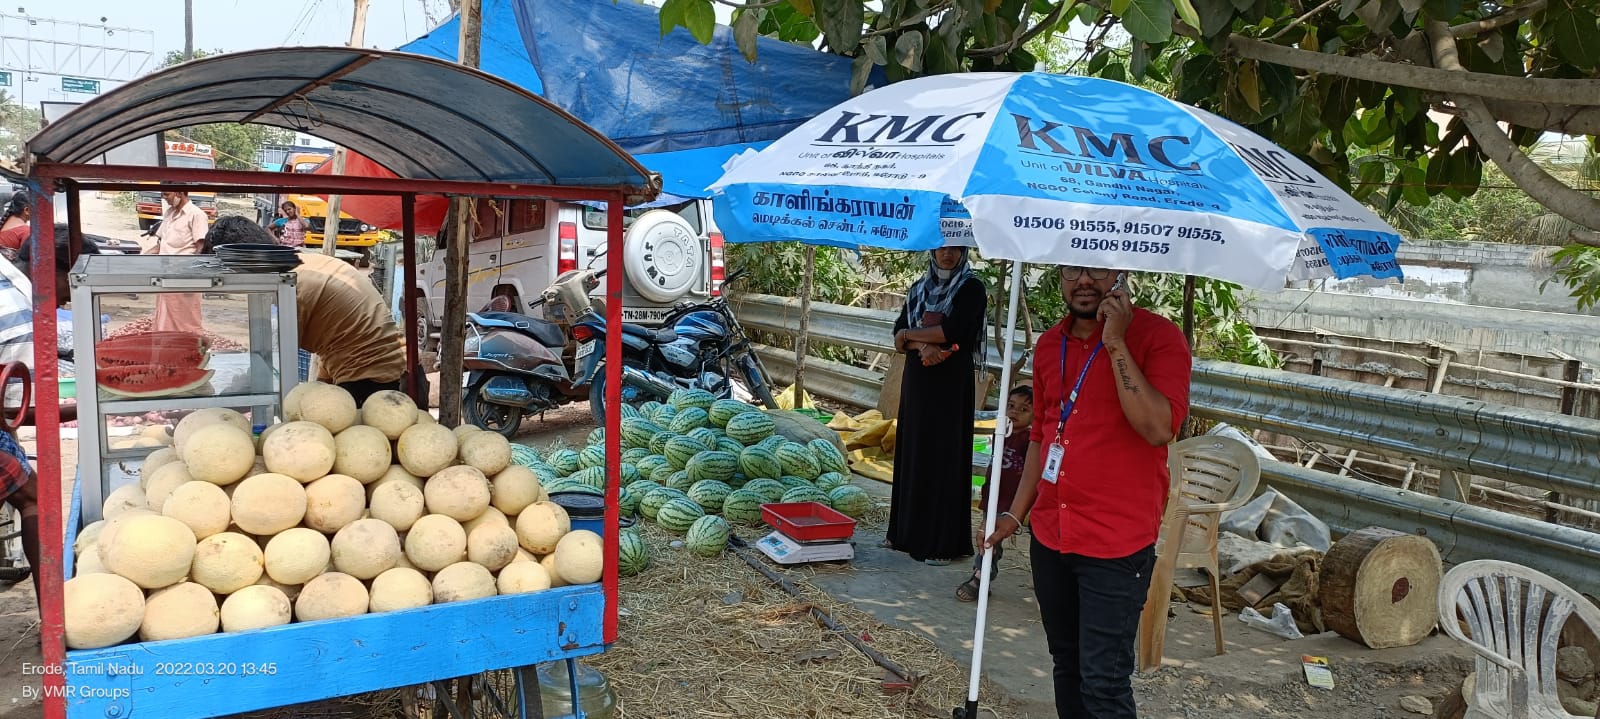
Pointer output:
x,y
783,549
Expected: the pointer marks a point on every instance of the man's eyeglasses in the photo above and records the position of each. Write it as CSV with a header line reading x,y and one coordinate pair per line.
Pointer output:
x,y
1070,273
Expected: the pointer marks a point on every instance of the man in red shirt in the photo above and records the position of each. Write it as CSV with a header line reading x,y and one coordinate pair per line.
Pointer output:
x,y
1095,480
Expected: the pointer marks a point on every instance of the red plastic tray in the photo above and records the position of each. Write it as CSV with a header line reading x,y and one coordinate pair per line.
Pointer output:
x,y
808,521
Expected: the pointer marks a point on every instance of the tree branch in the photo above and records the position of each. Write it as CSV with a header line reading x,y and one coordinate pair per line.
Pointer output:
x,y
1474,84
1582,236
1301,20
1555,195
1565,119
1005,48
1516,14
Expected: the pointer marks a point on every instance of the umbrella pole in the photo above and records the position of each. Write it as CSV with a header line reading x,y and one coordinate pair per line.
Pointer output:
x,y
1188,311
992,508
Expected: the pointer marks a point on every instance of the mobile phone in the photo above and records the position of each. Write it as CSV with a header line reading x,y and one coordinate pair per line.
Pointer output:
x,y
1120,284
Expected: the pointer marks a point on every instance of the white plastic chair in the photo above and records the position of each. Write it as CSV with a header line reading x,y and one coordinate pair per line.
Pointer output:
x,y
1513,618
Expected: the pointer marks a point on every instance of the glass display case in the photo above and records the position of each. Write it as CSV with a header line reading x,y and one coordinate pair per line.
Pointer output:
x,y
122,387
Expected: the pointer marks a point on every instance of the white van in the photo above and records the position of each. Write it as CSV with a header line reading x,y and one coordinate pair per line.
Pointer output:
x,y
670,254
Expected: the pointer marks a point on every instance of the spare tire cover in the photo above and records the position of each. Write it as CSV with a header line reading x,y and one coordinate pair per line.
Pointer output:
x,y
662,256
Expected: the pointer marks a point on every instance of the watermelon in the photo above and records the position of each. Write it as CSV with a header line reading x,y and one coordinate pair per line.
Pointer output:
x,y
827,481
574,487
743,506
709,494
630,474
178,354
663,415
629,410
749,428
759,462
655,498
688,418
590,476
738,480
526,456
798,461
641,487
769,489
678,514
649,464
662,475
729,445
790,481
633,555
593,455
150,380
829,458
627,503
707,536
712,464
563,461
851,500
723,410
705,436
679,450
545,473
632,455
807,493
637,431
680,480
658,443
684,398
649,408
597,436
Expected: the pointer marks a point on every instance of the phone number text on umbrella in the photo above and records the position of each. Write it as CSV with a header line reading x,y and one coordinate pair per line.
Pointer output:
x,y
1182,232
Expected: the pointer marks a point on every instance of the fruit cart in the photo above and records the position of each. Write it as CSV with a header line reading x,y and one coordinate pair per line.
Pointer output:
x,y
250,380
442,129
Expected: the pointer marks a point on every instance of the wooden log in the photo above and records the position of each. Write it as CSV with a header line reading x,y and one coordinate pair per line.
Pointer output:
x,y
1379,587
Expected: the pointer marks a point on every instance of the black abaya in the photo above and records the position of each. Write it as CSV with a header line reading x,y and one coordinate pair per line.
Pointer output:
x,y
930,512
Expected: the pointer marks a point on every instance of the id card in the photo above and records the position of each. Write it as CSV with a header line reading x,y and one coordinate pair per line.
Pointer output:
x,y
1052,463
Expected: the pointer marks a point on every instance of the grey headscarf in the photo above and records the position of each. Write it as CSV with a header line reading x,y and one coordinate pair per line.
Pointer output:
x,y
936,292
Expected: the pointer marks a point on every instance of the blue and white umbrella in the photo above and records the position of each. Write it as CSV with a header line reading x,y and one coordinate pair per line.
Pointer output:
x,y
1055,169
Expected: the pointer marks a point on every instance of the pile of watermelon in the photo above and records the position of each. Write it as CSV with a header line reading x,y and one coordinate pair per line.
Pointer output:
x,y
152,364
696,465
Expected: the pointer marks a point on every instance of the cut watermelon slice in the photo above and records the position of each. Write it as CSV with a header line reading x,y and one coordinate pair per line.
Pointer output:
x,y
151,380
171,355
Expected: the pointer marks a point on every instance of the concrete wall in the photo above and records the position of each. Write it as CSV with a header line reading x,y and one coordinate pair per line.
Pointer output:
x,y
1489,274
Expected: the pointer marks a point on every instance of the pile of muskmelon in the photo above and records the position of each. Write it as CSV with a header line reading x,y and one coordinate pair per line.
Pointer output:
x,y
336,511
696,465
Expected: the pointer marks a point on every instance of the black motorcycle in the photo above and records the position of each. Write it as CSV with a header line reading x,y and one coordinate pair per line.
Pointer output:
x,y
700,345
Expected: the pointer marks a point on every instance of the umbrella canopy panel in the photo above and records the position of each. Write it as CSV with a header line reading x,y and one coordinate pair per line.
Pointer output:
x,y
420,117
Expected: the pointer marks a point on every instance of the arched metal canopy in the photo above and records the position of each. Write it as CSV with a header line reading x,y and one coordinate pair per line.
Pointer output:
x,y
422,118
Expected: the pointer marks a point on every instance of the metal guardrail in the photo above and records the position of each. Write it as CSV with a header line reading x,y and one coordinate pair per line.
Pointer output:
x,y
1538,449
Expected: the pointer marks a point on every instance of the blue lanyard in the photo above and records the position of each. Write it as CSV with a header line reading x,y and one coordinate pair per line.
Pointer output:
x,y
1072,397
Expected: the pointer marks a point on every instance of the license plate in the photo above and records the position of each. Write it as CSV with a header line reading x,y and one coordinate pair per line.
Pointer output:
x,y
584,350
639,314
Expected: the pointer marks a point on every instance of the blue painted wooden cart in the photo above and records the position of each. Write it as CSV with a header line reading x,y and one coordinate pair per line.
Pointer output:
x,y
440,129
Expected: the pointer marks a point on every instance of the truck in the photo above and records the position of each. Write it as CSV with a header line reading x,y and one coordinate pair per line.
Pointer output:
x,y
353,233
179,153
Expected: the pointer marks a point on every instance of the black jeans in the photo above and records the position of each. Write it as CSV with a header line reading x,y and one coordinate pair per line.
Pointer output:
x,y
1090,608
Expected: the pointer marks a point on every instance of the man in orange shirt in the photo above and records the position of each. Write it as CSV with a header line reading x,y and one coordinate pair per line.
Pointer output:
x,y
182,232
1111,389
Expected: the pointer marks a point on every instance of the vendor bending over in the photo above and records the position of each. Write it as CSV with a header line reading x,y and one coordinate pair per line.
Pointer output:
x,y
343,319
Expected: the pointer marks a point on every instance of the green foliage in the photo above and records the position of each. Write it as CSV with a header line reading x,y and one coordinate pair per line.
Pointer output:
x,y
1578,267
234,145
17,124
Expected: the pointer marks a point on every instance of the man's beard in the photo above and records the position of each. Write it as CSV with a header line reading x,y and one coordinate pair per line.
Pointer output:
x,y
1091,314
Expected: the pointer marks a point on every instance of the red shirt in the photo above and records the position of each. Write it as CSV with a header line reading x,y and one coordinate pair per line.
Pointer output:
x,y
13,238
1107,502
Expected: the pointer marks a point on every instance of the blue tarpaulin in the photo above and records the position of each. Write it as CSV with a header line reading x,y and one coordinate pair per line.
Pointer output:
x,y
682,108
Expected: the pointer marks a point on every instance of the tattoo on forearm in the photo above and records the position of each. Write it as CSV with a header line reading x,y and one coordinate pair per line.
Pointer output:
x,y
1122,371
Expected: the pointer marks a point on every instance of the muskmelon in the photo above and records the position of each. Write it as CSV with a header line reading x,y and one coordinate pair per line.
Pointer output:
x,y
424,449
492,545
123,499
290,591
489,516
255,607
203,418
101,610
163,482
548,561
291,401
399,503
580,557
333,502
541,526
226,562
366,548
219,453
269,503
435,542
331,596
152,550
522,578
389,411
88,562
513,488
490,452
302,450
462,581
400,588
295,556
460,492
178,612
329,405
86,536
393,474
361,452
154,461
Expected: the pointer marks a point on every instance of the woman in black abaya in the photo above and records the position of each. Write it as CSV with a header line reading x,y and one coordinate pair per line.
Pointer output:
x,y
941,330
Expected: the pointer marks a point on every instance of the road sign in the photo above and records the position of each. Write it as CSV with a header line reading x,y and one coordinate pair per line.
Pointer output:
x,y
78,84
5,79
